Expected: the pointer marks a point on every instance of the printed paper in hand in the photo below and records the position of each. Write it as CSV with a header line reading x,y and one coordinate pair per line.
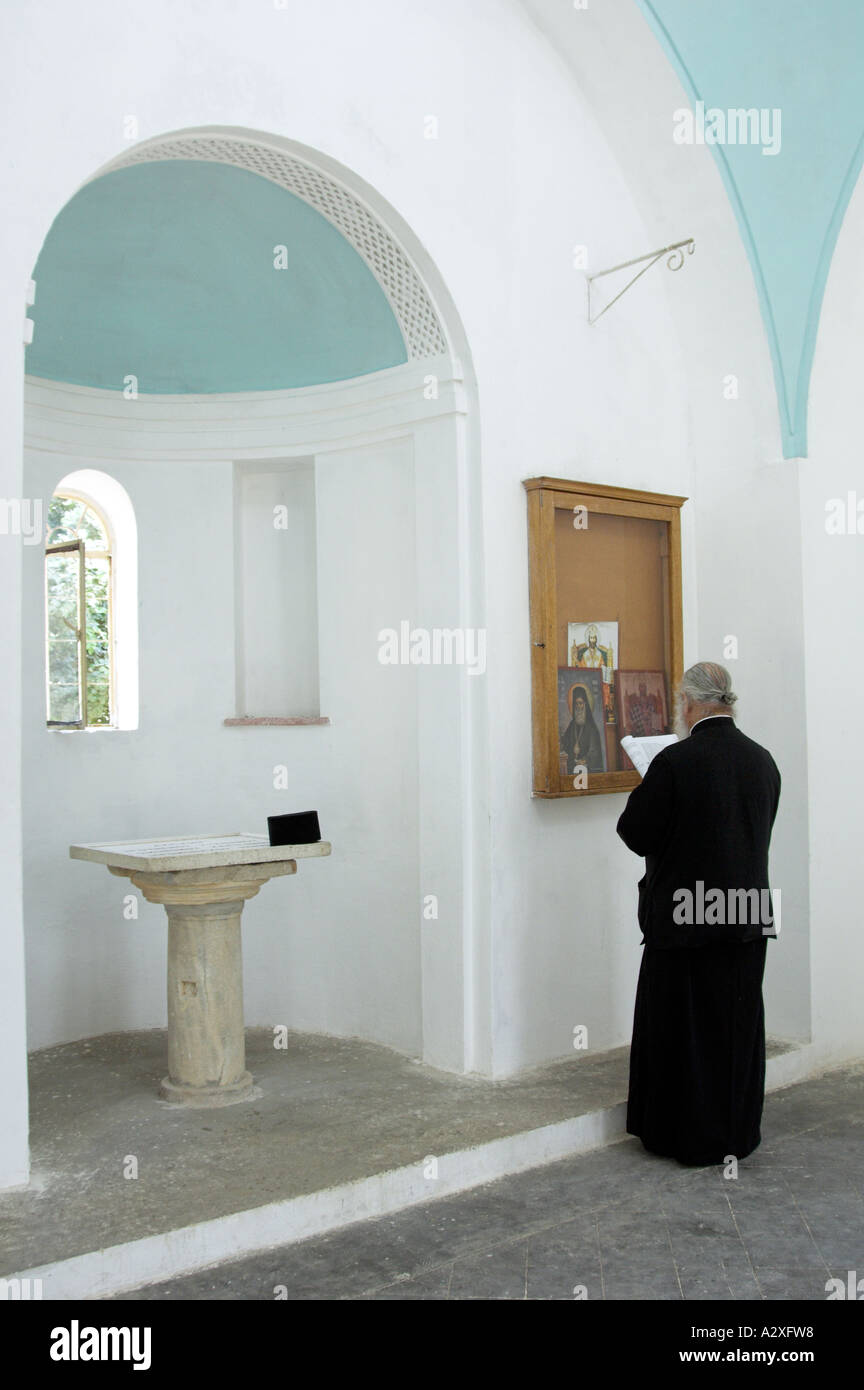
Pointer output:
x,y
640,751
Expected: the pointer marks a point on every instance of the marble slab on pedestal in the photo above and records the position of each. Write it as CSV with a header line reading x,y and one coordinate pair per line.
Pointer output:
x,y
195,852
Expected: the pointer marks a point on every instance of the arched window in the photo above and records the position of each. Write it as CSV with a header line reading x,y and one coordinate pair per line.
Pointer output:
x,y
90,621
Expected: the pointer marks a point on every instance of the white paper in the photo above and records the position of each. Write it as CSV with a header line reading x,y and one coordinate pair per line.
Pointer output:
x,y
640,751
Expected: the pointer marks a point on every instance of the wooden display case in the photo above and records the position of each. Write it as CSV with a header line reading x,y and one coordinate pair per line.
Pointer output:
x,y
606,559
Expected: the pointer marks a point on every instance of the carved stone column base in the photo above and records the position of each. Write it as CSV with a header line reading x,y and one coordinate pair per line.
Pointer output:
x,y
208,1097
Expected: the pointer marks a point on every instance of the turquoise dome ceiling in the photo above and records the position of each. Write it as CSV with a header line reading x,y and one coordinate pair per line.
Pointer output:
x,y
165,271
803,59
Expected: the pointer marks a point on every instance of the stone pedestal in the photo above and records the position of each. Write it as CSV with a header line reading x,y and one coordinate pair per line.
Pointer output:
x,y
206,1043
206,1040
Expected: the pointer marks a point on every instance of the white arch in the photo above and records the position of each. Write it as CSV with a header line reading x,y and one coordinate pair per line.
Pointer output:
x,y
418,319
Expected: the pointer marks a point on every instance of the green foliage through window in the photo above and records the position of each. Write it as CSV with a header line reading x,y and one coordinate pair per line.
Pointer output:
x,y
70,519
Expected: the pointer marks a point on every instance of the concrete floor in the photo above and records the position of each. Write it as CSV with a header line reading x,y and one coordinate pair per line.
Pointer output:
x,y
331,1112
617,1223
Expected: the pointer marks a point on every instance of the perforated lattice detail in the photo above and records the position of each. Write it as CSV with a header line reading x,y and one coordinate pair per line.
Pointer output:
x,y
408,297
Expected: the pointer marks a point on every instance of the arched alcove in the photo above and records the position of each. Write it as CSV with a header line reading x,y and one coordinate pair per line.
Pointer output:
x,y
383,429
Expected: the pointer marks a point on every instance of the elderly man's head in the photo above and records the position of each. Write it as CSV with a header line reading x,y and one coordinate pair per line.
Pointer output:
x,y
705,689
580,704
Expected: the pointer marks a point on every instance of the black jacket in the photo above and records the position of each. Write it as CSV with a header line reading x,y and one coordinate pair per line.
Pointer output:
x,y
703,816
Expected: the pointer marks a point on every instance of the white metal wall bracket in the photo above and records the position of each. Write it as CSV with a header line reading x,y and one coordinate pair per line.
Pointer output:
x,y
675,253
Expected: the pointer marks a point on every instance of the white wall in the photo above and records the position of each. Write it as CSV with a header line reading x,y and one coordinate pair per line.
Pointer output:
x,y
337,947
384,499
744,521
833,587
607,404
275,573
335,950
14,1157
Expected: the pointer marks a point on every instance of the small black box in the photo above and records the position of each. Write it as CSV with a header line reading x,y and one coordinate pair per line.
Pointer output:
x,y
300,828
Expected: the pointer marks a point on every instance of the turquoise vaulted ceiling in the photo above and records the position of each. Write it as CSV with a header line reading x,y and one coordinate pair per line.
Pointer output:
x,y
804,57
165,271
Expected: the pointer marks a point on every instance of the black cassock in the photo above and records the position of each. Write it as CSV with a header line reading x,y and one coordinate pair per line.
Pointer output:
x,y
702,815
697,1060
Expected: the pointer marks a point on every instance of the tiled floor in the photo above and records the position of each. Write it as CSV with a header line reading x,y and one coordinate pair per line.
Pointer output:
x,y
614,1224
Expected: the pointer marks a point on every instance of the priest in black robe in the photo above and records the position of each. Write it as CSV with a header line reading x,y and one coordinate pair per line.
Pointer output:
x,y
702,818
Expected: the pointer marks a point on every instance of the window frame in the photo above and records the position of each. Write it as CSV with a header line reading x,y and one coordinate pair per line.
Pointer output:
x,y
71,495
63,547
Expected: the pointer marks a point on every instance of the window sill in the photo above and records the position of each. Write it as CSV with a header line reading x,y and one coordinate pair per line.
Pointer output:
x,y
88,729
277,720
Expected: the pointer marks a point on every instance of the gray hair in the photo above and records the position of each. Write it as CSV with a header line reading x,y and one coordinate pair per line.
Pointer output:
x,y
706,683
